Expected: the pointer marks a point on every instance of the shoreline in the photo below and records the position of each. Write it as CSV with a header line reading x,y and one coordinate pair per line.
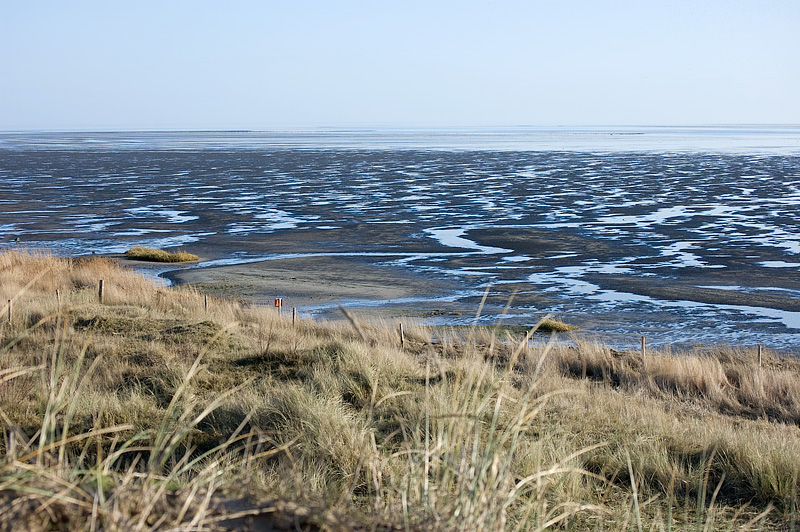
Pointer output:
x,y
372,289
376,273
320,284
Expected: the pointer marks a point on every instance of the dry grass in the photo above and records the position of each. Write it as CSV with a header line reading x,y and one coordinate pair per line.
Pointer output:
x,y
555,325
159,255
722,379
147,412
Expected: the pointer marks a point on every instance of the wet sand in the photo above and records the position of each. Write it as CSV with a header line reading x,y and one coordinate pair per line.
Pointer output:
x,y
368,286
316,283
731,285
323,282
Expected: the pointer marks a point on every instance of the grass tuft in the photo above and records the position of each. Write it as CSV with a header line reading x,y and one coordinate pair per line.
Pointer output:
x,y
555,325
159,255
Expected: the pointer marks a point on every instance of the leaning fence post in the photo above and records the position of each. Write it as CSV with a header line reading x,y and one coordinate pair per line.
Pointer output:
x,y
100,291
402,337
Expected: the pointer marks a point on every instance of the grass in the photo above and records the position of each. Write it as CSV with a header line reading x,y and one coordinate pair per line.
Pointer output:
x,y
159,255
148,412
548,324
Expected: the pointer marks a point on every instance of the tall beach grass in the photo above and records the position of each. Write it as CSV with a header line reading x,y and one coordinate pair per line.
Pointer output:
x,y
151,411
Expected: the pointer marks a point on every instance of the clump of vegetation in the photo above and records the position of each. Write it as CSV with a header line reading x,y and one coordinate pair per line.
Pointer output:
x,y
159,255
555,325
151,411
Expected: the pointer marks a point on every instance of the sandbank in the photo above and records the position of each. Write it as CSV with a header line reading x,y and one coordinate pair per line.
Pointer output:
x,y
318,283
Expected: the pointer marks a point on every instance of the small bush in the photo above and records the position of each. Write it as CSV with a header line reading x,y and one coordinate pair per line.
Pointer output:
x,y
159,255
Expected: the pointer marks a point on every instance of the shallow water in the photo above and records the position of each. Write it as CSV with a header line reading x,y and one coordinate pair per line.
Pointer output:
x,y
685,235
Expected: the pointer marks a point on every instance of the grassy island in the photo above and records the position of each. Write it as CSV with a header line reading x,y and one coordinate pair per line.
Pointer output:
x,y
159,255
166,409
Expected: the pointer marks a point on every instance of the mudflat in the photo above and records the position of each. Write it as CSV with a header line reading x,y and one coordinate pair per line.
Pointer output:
x,y
321,282
313,282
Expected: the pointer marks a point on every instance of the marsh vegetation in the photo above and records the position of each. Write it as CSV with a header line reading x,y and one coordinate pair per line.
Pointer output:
x,y
159,255
150,411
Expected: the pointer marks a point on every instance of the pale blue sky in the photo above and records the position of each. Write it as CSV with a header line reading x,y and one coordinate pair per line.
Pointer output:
x,y
262,64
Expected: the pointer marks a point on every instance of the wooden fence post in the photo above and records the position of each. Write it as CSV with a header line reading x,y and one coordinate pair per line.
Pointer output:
x,y
402,337
294,315
100,291
58,297
9,311
205,302
644,349
759,355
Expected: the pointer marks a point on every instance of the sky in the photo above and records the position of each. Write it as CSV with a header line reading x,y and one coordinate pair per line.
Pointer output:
x,y
172,64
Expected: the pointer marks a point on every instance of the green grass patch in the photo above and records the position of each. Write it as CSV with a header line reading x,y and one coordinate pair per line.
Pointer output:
x,y
159,255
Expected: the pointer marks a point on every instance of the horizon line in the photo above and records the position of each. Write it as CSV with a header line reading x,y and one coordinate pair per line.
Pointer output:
x,y
377,127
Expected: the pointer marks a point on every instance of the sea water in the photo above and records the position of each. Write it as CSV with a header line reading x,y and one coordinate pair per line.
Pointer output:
x,y
686,235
